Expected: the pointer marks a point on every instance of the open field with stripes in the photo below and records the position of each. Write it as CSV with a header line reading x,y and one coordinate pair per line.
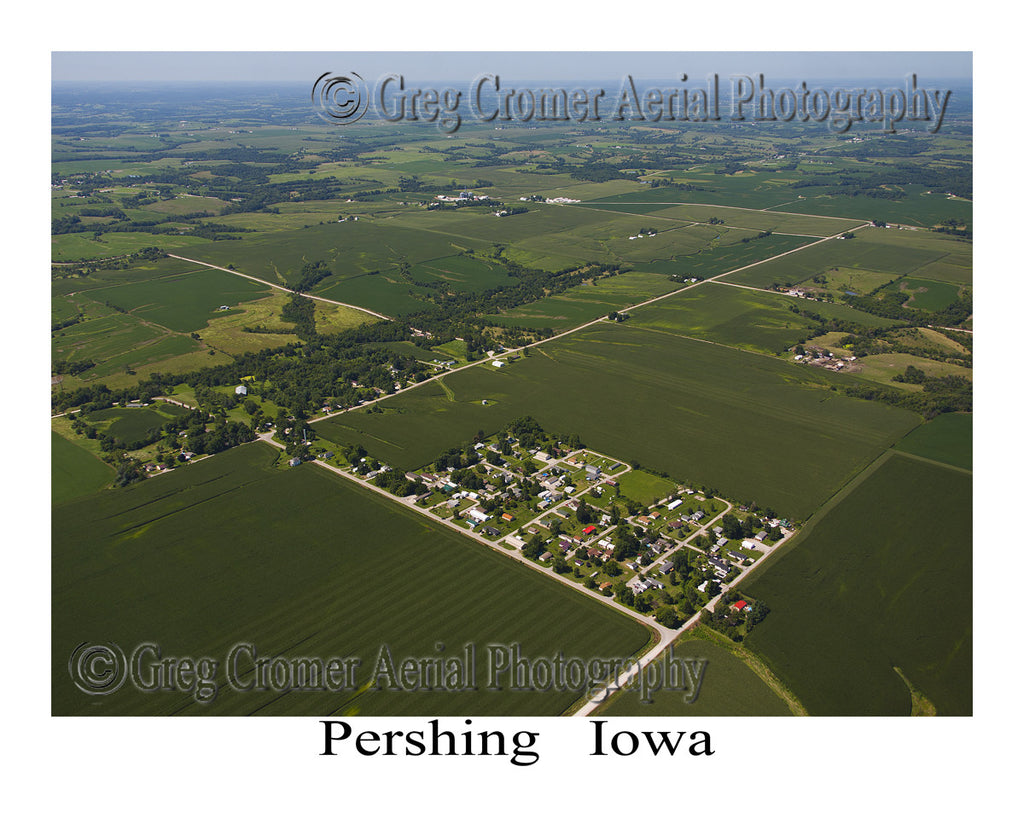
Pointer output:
x,y
299,563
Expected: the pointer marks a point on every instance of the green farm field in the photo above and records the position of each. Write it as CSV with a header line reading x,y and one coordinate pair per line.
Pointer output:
x,y
584,303
767,431
348,248
184,302
751,189
729,689
754,220
300,563
919,208
74,472
139,271
927,295
869,251
881,581
385,293
69,247
132,424
719,259
949,438
461,273
740,317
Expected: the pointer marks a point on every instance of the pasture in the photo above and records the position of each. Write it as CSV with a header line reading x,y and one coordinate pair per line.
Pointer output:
x,y
300,563
881,581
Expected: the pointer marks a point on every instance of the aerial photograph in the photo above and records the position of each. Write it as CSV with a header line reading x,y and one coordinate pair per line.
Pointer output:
x,y
504,384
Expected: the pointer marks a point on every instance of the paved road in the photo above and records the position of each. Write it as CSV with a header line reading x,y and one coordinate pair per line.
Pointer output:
x,y
627,676
665,635
280,287
572,330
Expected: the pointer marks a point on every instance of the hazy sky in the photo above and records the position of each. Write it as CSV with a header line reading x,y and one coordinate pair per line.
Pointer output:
x,y
234,66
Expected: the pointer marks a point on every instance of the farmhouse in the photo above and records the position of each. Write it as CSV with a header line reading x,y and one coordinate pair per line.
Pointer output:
x,y
241,389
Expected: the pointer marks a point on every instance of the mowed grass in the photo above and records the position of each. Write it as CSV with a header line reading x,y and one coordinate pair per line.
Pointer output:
x,y
644,487
729,688
949,438
300,563
882,580
73,471
750,426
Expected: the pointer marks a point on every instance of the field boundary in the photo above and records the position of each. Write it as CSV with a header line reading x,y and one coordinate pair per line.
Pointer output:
x,y
281,287
818,514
